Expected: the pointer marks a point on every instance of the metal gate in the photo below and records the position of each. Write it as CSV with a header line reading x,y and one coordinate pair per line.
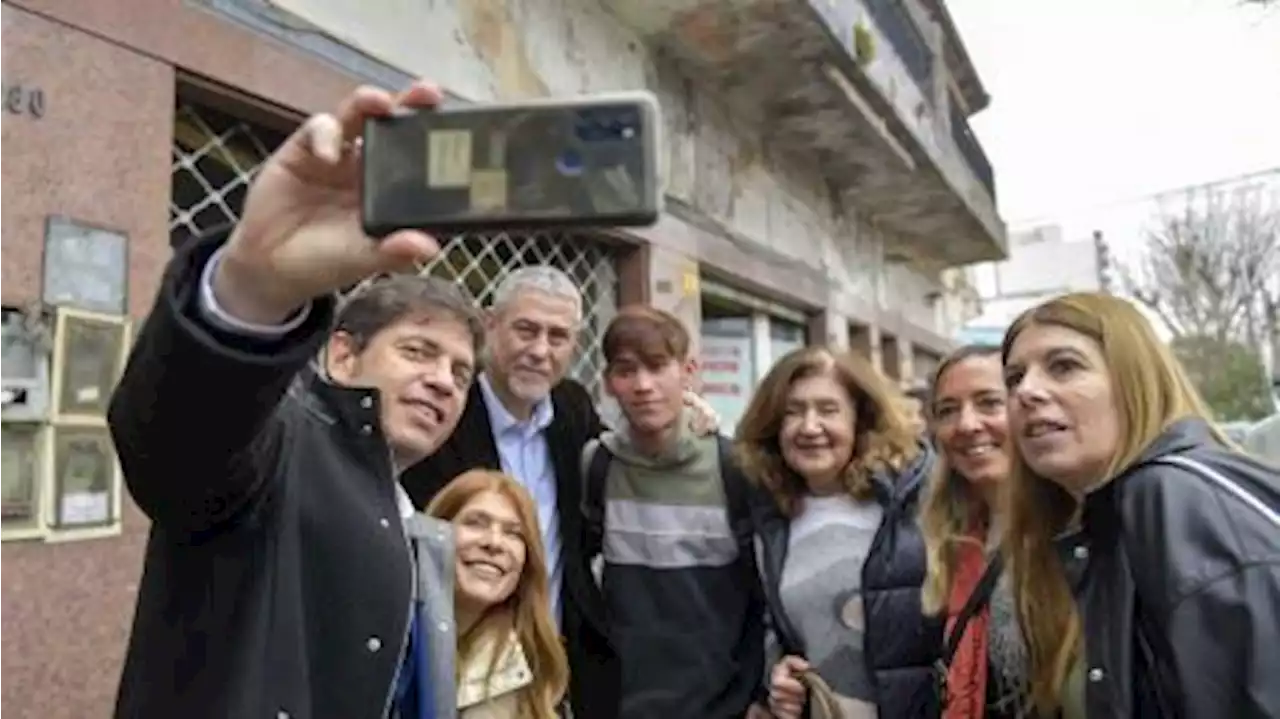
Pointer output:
x,y
215,156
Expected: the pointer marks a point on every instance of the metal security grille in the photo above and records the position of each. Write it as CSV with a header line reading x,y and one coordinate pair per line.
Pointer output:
x,y
215,156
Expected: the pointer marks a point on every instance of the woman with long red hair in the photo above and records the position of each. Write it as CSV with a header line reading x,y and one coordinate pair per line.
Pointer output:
x,y
511,663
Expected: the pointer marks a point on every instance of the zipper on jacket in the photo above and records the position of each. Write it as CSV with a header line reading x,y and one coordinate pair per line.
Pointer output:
x,y
774,549
413,590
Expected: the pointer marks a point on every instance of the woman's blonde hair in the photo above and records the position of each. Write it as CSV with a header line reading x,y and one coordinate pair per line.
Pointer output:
x,y
950,506
527,611
883,440
1151,391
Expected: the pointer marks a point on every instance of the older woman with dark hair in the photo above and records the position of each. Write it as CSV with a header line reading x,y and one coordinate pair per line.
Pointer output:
x,y
842,558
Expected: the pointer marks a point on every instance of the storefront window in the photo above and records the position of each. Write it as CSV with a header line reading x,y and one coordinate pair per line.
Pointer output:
x,y
742,337
784,337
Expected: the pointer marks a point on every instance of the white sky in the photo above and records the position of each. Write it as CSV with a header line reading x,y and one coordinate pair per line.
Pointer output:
x,y
1096,103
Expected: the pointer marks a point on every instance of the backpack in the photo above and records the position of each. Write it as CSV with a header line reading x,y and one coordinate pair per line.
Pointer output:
x,y
595,473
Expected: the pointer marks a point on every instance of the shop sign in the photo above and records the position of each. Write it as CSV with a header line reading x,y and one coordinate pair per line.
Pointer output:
x,y
23,99
727,369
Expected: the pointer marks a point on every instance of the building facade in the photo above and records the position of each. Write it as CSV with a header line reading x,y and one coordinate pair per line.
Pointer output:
x,y
822,187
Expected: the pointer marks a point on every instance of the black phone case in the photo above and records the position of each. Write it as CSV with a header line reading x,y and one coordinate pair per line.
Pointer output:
x,y
568,163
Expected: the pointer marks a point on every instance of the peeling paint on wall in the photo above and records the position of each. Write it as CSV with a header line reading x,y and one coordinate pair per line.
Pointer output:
x,y
702,28
719,163
494,34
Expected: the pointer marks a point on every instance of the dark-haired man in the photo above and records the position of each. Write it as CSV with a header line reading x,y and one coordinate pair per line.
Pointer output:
x,y
286,574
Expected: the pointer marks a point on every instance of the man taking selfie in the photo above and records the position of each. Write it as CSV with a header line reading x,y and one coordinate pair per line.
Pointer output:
x,y
286,574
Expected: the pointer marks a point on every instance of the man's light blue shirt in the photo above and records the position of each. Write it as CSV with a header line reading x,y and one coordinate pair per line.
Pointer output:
x,y
525,455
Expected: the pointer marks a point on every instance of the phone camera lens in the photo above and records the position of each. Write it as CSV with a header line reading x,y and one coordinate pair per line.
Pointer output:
x,y
569,163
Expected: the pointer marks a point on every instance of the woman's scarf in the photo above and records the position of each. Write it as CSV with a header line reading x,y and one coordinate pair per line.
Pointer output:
x,y
967,672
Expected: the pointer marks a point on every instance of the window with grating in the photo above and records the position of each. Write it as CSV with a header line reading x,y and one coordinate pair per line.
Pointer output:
x,y
215,157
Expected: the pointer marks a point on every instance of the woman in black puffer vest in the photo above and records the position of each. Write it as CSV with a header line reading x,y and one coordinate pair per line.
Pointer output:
x,y
840,472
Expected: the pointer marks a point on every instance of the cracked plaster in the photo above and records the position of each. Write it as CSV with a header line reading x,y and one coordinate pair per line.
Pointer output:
x,y
734,170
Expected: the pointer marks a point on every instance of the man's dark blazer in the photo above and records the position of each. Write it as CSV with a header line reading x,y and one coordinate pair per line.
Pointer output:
x,y
595,677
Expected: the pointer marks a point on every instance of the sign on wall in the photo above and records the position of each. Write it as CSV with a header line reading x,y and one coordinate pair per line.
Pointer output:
x,y
23,99
728,368
85,267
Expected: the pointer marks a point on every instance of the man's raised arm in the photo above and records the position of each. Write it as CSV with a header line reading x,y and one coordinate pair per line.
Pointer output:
x,y
192,415
233,323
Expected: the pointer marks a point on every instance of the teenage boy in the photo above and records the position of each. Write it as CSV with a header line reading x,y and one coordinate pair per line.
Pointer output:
x,y
666,511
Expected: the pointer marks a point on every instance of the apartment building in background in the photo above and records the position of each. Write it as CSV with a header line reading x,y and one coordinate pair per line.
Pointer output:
x,y
1043,262
822,185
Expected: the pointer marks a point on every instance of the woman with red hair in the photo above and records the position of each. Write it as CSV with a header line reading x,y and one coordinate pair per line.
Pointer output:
x,y
511,663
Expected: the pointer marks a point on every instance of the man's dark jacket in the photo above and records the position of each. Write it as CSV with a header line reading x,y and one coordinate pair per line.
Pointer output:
x,y
593,666
1180,594
277,577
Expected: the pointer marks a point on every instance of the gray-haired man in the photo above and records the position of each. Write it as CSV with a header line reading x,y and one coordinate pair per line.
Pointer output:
x,y
526,418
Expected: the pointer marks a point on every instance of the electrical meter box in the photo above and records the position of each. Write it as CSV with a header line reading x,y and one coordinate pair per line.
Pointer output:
x,y
90,350
25,370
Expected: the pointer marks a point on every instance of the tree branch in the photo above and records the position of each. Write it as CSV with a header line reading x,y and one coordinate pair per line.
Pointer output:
x,y
1210,262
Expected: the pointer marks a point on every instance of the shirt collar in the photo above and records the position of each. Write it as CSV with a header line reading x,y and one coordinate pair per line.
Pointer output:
x,y
502,419
403,503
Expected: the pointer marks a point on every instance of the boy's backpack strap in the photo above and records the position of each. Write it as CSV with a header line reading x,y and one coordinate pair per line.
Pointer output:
x,y
739,498
595,472
737,493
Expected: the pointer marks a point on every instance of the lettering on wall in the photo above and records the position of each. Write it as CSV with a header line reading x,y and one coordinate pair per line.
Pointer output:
x,y
23,99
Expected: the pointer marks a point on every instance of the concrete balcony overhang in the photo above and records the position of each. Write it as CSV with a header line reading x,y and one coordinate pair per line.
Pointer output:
x,y
958,60
781,65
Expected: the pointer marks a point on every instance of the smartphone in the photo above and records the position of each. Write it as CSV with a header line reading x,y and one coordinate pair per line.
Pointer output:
x,y
579,162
